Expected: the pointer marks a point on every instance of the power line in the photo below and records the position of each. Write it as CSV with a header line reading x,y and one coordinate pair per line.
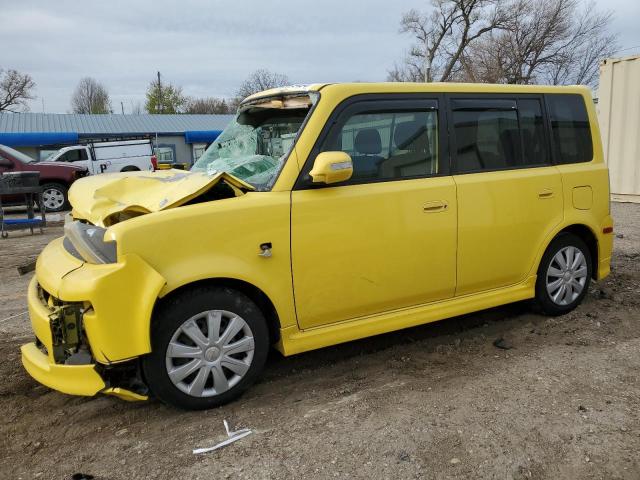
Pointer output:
x,y
628,48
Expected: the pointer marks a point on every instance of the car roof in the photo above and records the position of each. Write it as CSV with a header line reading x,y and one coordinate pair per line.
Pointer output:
x,y
356,88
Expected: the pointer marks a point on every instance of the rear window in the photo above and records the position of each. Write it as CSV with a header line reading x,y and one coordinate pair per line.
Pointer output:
x,y
570,128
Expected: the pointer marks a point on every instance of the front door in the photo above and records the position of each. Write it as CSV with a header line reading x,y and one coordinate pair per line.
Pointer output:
x,y
509,194
78,156
386,238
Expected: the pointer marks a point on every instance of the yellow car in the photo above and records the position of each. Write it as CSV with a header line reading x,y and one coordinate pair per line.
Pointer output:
x,y
322,214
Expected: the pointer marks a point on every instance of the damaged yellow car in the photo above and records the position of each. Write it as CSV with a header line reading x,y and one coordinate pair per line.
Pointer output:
x,y
322,214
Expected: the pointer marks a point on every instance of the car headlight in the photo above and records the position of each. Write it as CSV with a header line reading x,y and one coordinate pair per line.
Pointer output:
x,y
88,242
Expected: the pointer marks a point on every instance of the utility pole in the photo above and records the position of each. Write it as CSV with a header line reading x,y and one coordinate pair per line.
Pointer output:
x,y
159,106
427,62
122,107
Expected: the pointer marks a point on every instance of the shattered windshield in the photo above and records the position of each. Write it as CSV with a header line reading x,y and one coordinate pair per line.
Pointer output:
x,y
256,143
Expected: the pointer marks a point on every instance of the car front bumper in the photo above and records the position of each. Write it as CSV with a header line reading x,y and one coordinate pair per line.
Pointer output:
x,y
71,379
117,301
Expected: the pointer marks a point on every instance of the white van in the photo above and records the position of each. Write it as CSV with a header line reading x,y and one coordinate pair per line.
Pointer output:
x,y
101,157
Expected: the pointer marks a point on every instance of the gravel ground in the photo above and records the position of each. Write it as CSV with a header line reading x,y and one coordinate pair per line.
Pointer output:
x,y
437,401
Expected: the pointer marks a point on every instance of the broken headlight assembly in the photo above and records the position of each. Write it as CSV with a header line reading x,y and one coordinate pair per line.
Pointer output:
x,y
68,340
86,242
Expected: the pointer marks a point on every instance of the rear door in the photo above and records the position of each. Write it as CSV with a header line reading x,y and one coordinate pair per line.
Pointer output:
x,y
385,239
509,193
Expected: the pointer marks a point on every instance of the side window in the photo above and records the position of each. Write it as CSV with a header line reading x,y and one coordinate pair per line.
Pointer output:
x,y
387,145
65,157
73,156
497,134
570,128
533,133
45,154
486,135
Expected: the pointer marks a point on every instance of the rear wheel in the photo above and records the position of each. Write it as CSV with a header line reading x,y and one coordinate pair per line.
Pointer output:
x,y
130,168
54,197
208,346
563,275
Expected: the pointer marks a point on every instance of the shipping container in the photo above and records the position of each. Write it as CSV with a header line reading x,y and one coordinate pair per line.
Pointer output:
x,y
619,118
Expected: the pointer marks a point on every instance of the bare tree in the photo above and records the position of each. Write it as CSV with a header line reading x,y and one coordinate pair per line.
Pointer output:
x,y
136,108
90,96
442,36
15,89
208,105
261,80
544,41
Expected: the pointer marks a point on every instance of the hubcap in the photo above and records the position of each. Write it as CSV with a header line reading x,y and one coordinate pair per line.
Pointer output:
x,y
566,275
209,353
53,199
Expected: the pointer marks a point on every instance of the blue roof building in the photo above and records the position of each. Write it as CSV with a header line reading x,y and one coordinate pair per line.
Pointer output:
x,y
178,138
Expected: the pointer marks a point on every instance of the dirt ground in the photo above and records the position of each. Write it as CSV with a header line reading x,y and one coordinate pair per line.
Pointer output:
x,y
437,401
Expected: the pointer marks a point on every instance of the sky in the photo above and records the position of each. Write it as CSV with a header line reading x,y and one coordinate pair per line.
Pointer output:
x,y
209,47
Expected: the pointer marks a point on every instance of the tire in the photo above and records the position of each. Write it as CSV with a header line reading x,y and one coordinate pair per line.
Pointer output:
x,y
175,343
54,197
553,277
129,168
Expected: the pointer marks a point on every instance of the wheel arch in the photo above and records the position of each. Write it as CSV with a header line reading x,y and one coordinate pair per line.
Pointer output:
x,y
59,181
256,295
586,234
130,168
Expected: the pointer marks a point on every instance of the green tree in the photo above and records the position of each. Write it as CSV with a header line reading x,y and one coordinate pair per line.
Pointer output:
x,y
164,97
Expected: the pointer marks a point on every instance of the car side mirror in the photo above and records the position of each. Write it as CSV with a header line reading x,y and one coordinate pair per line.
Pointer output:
x,y
6,163
331,167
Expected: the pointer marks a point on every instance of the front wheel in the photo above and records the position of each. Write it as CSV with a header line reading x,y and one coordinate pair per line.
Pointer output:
x,y
208,346
54,197
563,275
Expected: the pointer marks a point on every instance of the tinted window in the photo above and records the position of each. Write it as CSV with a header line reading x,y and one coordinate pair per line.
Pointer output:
x,y
387,145
534,147
73,156
485,138
570,128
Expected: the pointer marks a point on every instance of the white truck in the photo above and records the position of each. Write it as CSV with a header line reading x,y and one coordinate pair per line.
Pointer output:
x,y
101,157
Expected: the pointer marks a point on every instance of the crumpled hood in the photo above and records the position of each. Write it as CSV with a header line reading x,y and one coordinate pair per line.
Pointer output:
x,y
108,198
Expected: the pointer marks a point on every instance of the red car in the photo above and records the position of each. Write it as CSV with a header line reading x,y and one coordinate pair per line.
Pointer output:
x,y
55,177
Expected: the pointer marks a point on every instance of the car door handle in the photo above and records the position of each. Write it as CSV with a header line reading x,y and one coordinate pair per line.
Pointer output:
x,y
435,206
545,193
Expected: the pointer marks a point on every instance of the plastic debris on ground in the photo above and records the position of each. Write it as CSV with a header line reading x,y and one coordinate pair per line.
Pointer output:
x,y
233,437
